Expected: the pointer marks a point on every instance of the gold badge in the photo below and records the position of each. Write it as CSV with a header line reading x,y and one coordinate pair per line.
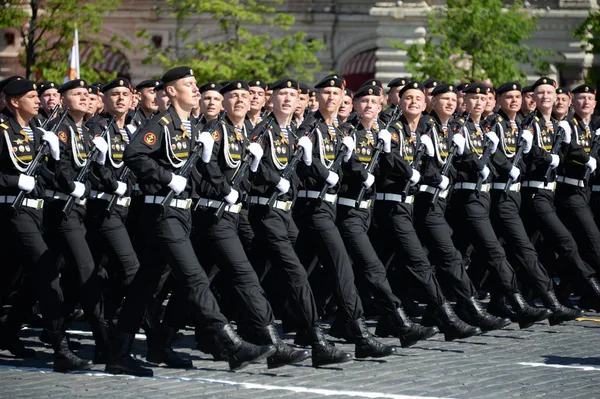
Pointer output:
x,y
451,88
62,136
81,83
289,84
332,82
191,72
514,87
477,90
34,87
51,84
370,91
212,85
150,139
586,89
120,83
257,83
415,85
239,86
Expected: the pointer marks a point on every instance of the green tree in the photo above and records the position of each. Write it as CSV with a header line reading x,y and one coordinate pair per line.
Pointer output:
x,y
242,55
589,33
470,40
46,32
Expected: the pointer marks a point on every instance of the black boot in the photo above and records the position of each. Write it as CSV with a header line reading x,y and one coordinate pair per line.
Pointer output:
x,y
160,351
399,325
101,337
591,297
285,354
340,328
453,327
470,311
64,359
120,360
560,313
46,339
208,343
498,307
323,353
15,346
364,343
429,318
528,315
240,353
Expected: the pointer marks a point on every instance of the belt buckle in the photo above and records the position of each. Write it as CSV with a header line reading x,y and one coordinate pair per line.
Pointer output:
x,y
409,199
188,203
287,206
39,204
127,202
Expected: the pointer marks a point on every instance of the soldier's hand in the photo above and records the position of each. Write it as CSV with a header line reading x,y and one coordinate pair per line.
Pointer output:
x,y
566,126
306,146
514,173
121,188
52,140
386,137
207,141
78,191
592,164
555,161
26,183
444,183
493,141
332,179
527,141
257,152
102,147
232,197
348,142
485,172
370,180
459,141
415,177
426,141
178,184
283,186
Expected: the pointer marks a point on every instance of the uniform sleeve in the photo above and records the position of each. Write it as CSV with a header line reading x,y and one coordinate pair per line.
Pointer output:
x,y
141,154
6,180
266,174
316,170
394,163
211,172
64,172
101,176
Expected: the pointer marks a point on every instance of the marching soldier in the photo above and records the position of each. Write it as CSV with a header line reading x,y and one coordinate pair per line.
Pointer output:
x,y
303,108
490,107
211,103
393,98
345,110
258,100
147,105
430,85
529,104
49,97
562,106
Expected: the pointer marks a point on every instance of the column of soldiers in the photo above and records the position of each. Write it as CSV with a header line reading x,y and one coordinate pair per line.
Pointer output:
x,y
249,201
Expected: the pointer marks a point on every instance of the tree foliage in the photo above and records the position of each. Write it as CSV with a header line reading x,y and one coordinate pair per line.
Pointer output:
x,y
470,40
589,33
46,31
242,54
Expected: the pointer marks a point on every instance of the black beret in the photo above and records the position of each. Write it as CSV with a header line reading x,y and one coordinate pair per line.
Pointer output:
x,y
348,92
6,81
527,89
235,85
508,86
147,83
43,86
258,83
19,86
476,88
543,81
160,86
176,74
284,84
118,82
584,89
73,84
443,88
210,86
563,90
368,90
373,82
398,82
412,86
332,81
491,90
431,82
94,90
304,89
462,87
224,83
312,93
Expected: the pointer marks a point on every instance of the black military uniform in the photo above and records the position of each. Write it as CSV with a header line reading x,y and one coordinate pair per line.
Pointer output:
x,y
41,88
139,117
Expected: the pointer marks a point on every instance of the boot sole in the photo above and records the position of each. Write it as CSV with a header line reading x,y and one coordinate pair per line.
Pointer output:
x,y
452,338
278,365
118,370
344,360
65,369
247,362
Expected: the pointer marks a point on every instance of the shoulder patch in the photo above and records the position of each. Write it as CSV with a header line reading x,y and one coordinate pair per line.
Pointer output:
x,y
62,136
150,139
216,136
395,137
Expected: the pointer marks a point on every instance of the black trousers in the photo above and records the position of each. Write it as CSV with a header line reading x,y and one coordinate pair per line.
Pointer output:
x,y
595,206
539,214
319,235
572,207
167,238
108,237
275,235
220,243
469,216
508,225
23,243
435,233
246,233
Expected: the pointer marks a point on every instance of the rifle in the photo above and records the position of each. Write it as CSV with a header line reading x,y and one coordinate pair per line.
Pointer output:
x,y
83,173
593,153
41,154
200,120
51,117
446,168
244,166
291,166
186,169
125,172
339,157
485,157
559,137
416,160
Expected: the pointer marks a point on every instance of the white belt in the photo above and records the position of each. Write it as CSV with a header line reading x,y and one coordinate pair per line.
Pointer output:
x,y
283,205
28,202
539,184
175,203
64,197
431,190
352,203
502,186
123,201
595,188
331,198
210,203
570,181
471,186
395,197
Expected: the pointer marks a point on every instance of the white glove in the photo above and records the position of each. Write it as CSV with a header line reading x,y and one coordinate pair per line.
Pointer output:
x,y
514,173
121,188
307,146
459,141
283,186
102,147
348,142
205,138
386,137
257,152
416,176
26,183
528,141
592,164
597,132
178,183
232,197
444,184
131,129
567,128
485,172
555,161
426,141
52,140
370,180
78,191
332,179
493,141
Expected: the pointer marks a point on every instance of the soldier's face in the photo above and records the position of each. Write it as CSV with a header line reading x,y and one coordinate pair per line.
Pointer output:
x,y
412,102
330,99
258,97
49,99
118,101
162,100
345,107
544,97
584,103
148,99
563,102
285,101
528,104
135,99
476,103
393,97
460,102
445,104
92,103
302,103
429,98
491,102
237,102
368,107
100,103
211,104
28,104
184,93
76,99
510,101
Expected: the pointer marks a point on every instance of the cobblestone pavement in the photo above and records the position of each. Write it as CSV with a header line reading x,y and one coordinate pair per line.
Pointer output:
x,y
539,362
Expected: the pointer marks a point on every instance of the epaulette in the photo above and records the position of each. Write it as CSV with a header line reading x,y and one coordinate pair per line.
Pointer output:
x,y
500,119
3,126
575,122
537,119
165,120
398,125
